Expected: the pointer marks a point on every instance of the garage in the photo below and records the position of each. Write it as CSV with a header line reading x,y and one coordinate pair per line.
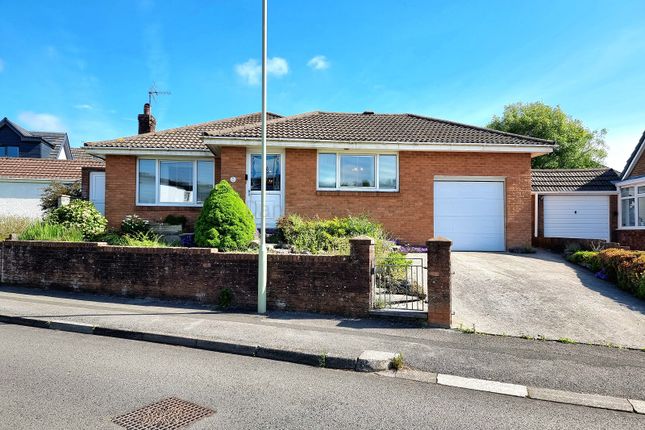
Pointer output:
x,y
21,198
576,216
470,213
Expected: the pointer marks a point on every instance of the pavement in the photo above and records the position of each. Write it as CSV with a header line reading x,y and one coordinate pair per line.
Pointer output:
x,y
60,380
542,295
309,338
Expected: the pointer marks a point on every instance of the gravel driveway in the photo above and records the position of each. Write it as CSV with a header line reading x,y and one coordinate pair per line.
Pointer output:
x,y
542,295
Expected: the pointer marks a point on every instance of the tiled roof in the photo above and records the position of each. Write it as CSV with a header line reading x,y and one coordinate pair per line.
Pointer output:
x,y
543,180
81,154
188,137
371,127
42,168
640,143
57,140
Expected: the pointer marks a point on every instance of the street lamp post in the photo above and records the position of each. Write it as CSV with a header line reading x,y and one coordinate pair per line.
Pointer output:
x,y
262,258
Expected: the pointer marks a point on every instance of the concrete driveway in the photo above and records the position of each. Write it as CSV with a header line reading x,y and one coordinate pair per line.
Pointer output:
x,y
542,295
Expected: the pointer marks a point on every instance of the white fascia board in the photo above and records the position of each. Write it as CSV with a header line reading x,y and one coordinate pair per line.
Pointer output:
x,y
628,182
576,193
214,142
37,180
146,152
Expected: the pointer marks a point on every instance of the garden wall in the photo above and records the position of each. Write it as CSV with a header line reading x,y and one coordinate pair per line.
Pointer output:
x,y
328,284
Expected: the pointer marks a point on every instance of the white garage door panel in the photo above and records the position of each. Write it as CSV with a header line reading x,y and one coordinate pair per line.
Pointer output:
x,y
579,217
21,198
471,214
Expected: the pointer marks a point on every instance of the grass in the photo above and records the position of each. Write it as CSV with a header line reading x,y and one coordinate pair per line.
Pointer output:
x,y
144,240
567,340
322,360
13,224
51,232
467,330
397,362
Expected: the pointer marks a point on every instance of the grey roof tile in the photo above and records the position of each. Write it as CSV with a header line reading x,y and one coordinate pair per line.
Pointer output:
x,y
551,180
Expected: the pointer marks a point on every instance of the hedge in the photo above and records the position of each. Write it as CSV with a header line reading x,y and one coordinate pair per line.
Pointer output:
x,y
626,268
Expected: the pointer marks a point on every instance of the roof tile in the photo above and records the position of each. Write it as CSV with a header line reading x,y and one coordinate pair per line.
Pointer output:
x,y
43,168
550,180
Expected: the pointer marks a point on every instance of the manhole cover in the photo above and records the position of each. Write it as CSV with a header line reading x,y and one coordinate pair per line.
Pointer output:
x,y
167,414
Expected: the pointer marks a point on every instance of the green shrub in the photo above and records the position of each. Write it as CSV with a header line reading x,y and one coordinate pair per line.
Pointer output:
x,y
143,240
225,221
134,224
588,259
51,232
332,235
176,220
82,215
626,268
13,224
49,198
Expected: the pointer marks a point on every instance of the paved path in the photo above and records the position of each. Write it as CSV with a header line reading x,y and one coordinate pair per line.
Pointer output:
x,y
578,368
542,295
58,380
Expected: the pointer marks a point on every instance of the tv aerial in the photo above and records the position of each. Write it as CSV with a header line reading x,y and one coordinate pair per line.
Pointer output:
x,y
153,92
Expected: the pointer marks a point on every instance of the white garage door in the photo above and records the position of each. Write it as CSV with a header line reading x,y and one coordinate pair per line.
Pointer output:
x,y
471,214
21,198
580,217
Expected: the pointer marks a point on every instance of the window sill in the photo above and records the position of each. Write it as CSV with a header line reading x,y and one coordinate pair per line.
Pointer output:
x,y
373,193
168,206
641,228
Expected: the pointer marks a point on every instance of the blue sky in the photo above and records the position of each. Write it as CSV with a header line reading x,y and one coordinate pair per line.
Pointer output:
x,y
85,67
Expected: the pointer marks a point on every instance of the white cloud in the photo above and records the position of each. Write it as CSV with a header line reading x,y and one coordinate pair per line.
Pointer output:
x,y
1,65
40,121
251,70
319,62
84,106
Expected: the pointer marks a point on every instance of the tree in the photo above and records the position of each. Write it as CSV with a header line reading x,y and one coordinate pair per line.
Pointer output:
x,y
577,146
49,198
225,221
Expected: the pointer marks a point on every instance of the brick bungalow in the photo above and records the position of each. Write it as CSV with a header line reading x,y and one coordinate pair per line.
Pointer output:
x,y
419,176
631,195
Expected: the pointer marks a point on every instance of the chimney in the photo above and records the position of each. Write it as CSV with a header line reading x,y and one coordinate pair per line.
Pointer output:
x,y
147,122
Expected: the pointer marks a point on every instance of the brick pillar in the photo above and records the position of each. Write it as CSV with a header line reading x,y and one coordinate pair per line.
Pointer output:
x,y
439,279
361,251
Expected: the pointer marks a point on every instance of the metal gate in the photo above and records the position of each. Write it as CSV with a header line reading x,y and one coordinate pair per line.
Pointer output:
x,y
401,287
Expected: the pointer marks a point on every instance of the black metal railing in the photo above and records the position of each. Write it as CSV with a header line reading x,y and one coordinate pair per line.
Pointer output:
x,y
402,286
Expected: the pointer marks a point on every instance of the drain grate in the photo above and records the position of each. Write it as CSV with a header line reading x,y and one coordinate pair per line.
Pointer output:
x,y
167,414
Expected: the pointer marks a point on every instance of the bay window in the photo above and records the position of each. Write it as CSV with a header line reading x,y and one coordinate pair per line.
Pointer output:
x,y
357,172
632,206
174,182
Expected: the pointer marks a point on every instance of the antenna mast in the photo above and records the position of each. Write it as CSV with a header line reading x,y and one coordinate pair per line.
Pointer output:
x,y
153,93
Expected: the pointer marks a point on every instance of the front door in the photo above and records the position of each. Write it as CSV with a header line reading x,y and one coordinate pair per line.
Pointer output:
x,y
97,190
275,187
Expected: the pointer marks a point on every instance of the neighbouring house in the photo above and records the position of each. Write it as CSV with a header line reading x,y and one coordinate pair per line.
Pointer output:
x,y
30,161
631,195
419,176
573,204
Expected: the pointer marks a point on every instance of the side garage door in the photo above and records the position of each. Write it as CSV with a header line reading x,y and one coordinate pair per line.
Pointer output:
x,y
471,214
580,217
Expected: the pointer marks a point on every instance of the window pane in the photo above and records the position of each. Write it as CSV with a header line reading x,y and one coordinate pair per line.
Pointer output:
x,y
3,151
627,192
326,170
357,171
205,179
641,190
147,181
387,172
641,211
628,214
273,172
12,151
175,181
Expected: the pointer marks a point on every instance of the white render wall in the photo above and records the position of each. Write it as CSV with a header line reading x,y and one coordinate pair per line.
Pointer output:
x,y
21,198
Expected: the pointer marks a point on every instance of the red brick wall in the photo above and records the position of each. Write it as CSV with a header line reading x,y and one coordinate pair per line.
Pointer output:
x,y
85,180
635,239
308,283
233,164
639,168
120,194
408,214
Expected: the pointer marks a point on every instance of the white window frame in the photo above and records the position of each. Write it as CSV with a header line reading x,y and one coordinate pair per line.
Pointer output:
x,y
636,196
157,161
375,155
